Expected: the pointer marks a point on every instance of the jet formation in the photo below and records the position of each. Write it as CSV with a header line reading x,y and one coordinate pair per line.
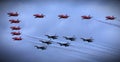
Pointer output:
x,y
61,16
64,44
51,37
17,29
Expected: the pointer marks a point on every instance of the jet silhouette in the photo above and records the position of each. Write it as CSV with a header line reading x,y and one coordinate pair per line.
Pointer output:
x,y
41,47
46,41
52,36
70,38
64,44
87,39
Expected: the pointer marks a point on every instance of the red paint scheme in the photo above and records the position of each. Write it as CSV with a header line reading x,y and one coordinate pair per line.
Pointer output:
x,y
39,15
86,17
63,16
13,14
15,33
14,21
110,17
17,38
15,28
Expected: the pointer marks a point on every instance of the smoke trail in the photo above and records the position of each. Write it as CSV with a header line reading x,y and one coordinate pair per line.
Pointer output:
x,y
112,25
111,48
34,37
55,41
71,50
99,46
108,53
109,23
36,43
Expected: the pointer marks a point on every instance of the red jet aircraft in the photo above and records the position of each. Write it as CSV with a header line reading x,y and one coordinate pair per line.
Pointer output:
x,y
13,14
110,17
17,38
63,16
39,15
14,21
86,17
15,28
15,33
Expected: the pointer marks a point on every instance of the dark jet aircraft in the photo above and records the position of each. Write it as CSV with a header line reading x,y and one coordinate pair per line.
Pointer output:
x,y
70,38
48,42
39,15
63,16
52,36
41,47
64,44
110,17
13,14
86,17
87,39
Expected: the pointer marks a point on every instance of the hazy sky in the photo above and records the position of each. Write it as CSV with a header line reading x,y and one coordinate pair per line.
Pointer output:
x,y
106,37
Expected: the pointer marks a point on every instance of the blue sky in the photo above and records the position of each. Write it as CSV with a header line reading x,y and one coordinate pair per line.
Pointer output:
x,y
106,37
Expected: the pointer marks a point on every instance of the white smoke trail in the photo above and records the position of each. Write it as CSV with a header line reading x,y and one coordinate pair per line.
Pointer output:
x,y
108,23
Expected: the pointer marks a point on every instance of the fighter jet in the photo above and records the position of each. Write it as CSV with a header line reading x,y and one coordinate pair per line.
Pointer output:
x,y
14,21
70,38
86,17
48,42
63,16
110,17
39,15
87,39
17,38
15,28
15,33
41,47
52,36
64,44
12,14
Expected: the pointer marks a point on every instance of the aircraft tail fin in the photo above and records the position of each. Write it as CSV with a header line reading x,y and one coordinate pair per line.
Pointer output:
x,y
83,39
